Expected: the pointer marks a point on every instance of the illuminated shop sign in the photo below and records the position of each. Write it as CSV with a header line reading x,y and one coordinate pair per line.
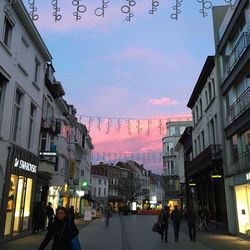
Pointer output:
x,y
48,153
248,176
25,165
216,176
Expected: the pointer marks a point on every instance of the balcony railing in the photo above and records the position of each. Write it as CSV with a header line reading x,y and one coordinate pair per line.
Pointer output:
x,y
242,162
208,157
237,51
240,105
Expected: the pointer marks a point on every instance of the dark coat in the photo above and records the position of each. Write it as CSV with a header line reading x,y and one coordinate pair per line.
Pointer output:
x,y
163,216
61,232
190,216
176,216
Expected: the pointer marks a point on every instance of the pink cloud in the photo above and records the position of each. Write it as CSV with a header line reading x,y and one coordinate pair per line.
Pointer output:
x,y
164,101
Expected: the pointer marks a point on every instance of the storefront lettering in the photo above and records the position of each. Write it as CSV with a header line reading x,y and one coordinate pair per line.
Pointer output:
x,y
25,165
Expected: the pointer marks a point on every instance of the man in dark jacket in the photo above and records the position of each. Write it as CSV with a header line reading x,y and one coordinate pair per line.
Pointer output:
x,y
176,218
191,220
163,221
50,213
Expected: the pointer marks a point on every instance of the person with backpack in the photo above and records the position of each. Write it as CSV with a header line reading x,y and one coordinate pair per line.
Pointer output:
x,y
176,219
163,222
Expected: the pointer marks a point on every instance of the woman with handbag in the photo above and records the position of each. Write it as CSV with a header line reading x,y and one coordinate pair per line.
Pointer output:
x,y
63,231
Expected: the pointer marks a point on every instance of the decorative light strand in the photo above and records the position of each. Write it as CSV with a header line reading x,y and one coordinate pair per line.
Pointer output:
x,y
101,10
205,5
155,4
177,10
80,9
56,9
126,9
33,10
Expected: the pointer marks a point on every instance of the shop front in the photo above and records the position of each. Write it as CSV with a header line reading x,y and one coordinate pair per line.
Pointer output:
x,y
18,199
242,193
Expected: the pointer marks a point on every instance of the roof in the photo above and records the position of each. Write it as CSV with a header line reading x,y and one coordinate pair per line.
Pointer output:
x,y
205,73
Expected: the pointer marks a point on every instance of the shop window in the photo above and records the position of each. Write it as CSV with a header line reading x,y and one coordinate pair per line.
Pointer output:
x,y
18,206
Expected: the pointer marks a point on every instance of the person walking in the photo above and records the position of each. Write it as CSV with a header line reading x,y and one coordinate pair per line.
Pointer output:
x,y
107,215
176,219
61,230
191,221
163,221
50,213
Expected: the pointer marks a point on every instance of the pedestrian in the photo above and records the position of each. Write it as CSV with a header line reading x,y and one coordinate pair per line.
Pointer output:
x,y
176,219
107,215
163,221
62,230
191,221
50,213
72,212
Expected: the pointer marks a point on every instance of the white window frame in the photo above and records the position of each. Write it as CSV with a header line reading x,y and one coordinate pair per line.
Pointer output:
x,y
10,32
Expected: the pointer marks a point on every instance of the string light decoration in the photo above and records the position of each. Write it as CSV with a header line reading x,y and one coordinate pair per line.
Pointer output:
x,y
56,11
33,10
177,10
155,4
205,5
80,9
126,9
101,10
142,126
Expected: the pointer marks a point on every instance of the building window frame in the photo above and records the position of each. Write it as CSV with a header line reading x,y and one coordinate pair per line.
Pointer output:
x,y
7,31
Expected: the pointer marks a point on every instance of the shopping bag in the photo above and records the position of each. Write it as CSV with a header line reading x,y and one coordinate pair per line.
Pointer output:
x,y
75,243
156,228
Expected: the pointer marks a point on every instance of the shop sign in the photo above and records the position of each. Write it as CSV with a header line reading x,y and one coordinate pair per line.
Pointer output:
x,y
25,165
48,153
248,176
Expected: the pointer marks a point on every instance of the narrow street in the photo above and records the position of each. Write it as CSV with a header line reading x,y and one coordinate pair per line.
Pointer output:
x,y
134,233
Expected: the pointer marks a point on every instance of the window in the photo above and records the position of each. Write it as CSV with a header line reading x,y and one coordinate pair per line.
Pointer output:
x,y
169,148
213,85
82,173
206,98
104,182
170,167
99,191
8,27
197,113
16,132
172,131
195,148
43,141
104,191
100,181
203,140
210,91
94,191
37,70
199,144
31,125
234,145
2,85
200,107
182,129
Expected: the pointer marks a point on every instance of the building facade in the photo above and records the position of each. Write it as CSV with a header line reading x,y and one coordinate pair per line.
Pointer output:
x,y
205,169
23,59
173,172
231,36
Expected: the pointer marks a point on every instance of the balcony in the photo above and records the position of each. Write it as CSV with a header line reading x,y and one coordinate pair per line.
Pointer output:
x,y
242,162
240,105
212,155
49,125
237,51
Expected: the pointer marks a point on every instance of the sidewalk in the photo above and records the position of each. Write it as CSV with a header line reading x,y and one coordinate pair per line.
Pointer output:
x,y
32,241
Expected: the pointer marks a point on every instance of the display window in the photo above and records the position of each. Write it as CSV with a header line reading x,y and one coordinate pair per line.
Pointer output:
x,y
243,208
18,205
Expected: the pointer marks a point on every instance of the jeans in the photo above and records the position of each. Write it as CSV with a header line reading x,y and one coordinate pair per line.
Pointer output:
x,y
192,231
176,226
164,228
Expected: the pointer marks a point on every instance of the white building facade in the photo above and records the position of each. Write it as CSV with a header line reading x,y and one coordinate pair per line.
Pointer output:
x,y
23,59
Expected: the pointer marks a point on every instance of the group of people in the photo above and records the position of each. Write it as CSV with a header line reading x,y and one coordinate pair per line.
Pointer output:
x,y
176,217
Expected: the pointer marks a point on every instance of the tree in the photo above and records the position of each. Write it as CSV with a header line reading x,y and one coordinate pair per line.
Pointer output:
x,y
131,187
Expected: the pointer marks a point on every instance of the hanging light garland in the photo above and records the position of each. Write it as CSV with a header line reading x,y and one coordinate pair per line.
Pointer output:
x,y
127,8
56,11
142,126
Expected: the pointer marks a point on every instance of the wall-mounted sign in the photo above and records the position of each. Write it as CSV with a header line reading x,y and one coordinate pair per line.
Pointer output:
x,y
248,176
18,163
48,153
216,176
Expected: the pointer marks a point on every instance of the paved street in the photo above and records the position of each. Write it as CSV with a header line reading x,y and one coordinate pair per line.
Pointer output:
x,y
134,233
